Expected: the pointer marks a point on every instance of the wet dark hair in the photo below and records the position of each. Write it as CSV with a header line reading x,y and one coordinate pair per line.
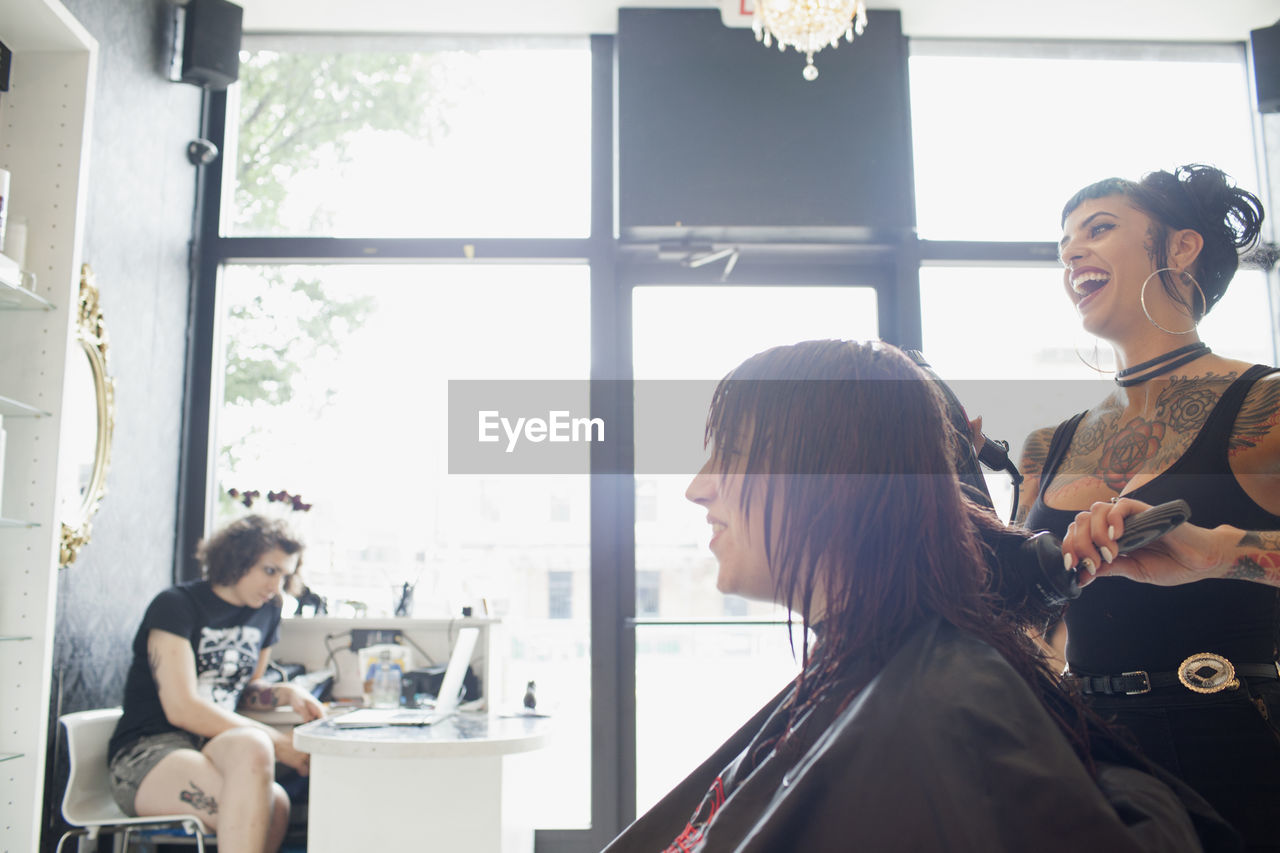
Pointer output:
x,y
1198,197
848,447
229,553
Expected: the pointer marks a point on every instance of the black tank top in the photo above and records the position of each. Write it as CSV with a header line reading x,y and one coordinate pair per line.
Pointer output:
x,y
1118,625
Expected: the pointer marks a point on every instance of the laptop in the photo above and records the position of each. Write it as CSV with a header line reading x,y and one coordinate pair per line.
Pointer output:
x,y
446,702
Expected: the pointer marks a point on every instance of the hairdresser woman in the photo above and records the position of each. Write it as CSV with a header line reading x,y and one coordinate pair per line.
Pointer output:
x,y
1178,642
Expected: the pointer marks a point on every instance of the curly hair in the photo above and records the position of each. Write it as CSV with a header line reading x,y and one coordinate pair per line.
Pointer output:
x,y
230,552
1203,199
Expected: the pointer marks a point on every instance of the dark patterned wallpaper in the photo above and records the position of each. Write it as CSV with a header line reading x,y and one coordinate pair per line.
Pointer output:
x,y
141,191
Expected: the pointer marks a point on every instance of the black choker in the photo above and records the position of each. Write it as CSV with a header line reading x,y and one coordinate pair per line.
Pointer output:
x,y
1163,364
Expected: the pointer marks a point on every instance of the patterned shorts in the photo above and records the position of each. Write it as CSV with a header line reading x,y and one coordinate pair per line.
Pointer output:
x,y
131,765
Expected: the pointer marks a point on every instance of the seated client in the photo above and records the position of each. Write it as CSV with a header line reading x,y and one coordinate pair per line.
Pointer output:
x,y
922,718
199,655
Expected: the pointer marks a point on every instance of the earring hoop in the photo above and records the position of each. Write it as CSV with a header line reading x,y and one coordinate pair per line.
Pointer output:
x,y
1142,298
1094,367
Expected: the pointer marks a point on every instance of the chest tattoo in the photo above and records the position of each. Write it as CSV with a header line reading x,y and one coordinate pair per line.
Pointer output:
x,y
1186,409
1112,444
1093,432
1127,451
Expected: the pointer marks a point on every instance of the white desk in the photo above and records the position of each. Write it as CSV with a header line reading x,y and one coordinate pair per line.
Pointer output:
x,y
317,642
434,787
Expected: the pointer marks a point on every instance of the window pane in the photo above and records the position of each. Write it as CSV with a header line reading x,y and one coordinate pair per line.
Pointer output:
x,y
336,387
704,332
1239,326
1002,323
1001,141
461,141
996,359
726,672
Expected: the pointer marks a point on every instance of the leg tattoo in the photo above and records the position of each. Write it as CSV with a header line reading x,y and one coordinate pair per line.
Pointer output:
x,y
199,799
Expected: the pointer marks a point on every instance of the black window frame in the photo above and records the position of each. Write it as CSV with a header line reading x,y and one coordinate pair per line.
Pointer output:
x,y
889,262
616,267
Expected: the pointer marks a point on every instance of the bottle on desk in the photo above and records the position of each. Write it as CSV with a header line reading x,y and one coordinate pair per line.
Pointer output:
x,y
386,683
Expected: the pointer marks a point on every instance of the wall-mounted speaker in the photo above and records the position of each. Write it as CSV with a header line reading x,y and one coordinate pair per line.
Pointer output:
x,y
1266,67
207,48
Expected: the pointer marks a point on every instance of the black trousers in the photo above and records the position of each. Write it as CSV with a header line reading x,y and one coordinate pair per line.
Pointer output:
x,y
1225,745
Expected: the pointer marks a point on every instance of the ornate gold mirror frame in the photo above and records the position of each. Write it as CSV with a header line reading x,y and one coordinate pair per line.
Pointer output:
x,y
91,334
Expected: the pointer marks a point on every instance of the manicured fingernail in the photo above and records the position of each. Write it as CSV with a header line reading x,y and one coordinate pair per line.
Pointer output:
x,y
1106,553
1111,534
1068,561
1089,566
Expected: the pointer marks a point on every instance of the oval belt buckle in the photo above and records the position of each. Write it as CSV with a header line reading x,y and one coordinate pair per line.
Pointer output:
x,y
1206,672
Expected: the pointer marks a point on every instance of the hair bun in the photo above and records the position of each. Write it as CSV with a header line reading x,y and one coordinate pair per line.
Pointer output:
x,y
1225,211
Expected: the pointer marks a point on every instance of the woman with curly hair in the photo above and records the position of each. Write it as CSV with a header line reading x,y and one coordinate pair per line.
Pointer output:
x,y
200,655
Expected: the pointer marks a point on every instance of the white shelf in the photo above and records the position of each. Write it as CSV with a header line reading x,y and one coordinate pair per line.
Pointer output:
x,y
5,638
10,408
15,297
45,128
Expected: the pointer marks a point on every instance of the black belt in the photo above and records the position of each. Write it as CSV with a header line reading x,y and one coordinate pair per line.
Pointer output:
x,y
1200,673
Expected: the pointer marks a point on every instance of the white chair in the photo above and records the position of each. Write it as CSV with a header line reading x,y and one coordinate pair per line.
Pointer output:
x,y
88,805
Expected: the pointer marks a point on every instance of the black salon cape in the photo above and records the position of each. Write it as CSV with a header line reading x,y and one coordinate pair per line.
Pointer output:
x,y
946,749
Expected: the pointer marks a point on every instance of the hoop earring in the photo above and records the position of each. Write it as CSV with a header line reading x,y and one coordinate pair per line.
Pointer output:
x,y
1094,367
1142,298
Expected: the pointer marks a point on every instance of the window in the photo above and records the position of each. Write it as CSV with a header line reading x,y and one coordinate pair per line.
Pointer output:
x,y
646,499
987,173
561,510
559,595
648,593
332,372
1004,133
726,671
397,137
326,371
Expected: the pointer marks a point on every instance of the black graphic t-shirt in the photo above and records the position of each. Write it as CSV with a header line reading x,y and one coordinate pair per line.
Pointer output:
x,y
225,639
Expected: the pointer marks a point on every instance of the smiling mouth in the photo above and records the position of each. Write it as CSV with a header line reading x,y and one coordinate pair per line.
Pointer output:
x,y
1088,283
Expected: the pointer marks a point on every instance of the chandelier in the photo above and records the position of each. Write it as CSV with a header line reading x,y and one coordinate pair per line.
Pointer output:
x,y
808,25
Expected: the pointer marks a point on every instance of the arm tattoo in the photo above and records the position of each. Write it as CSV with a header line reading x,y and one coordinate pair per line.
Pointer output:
x,y
1258,416
1261,565
1035,451
1263,540
199,800
260,697
1247,568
